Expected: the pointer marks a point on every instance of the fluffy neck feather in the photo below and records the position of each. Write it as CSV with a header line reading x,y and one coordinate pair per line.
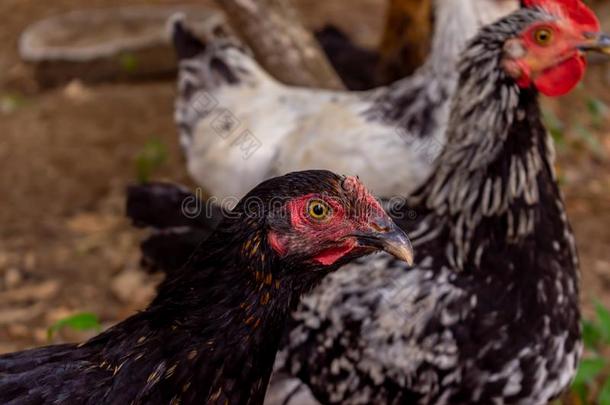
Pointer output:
x,y
495,176
229,287
219,321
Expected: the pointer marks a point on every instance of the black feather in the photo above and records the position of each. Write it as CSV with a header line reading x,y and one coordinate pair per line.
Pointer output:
x,y
170,249
180,221
355,65
208,336
186,44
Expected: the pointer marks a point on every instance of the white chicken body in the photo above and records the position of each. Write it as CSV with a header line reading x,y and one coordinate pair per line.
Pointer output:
x,y
344,138
390,136
353,143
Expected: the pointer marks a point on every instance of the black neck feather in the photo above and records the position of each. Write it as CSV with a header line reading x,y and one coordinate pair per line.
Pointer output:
x,y
494,189
215,325
492,212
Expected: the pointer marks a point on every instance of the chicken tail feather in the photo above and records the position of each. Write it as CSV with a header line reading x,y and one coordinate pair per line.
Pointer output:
x,y
186,44
179,221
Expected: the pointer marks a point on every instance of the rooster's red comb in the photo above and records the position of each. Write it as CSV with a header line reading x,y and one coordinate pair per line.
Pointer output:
x,y
561,79
576,10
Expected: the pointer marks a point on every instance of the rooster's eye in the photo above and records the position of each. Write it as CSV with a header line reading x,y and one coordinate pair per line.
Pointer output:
x,y
543,36
318,210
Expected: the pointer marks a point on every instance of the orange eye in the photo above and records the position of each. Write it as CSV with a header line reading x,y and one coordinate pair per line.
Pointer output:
x,y
318,210
543,36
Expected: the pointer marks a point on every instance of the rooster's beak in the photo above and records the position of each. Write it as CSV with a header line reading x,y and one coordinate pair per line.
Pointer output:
x,y
385,235
597,42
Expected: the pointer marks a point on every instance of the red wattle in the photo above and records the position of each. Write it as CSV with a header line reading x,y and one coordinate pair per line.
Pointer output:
x,y
525,80
330,256
562,78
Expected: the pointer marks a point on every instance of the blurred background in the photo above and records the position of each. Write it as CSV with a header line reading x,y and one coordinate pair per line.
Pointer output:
x,y
72,140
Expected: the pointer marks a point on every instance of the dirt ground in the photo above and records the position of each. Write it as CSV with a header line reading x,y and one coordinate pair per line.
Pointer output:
x,y
67,154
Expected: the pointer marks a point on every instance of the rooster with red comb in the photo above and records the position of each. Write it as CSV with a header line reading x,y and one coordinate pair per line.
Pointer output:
x,y
490,314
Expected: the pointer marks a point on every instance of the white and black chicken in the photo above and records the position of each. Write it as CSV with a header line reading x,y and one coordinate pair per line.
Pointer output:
x,y
490,314
239,126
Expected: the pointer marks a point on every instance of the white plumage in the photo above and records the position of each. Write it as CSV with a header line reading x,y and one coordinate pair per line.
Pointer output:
x,y
389,136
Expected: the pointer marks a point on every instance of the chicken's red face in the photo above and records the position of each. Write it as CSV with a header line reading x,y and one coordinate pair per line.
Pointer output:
x,y
549,54
331,227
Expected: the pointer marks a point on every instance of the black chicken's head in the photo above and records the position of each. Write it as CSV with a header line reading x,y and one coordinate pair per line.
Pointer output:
x,y
316,220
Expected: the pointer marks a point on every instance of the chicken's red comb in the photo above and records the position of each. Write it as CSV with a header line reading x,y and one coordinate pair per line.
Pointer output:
x,y
576,10
561,79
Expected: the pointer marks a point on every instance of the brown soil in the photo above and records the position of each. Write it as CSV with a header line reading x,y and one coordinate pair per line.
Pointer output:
x,y
67,155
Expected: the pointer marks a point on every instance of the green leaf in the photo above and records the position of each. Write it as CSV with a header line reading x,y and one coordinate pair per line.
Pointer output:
x,y
603,316
597,108
581,391
152,156
11,102
591,334
81,322
604,395
129,62
589,370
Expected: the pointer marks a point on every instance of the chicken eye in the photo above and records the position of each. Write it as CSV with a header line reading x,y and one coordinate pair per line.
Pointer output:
x,y
318,210
543,36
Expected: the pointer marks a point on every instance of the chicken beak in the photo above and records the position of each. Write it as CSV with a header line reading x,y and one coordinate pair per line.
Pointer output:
x,y
385,235
596,42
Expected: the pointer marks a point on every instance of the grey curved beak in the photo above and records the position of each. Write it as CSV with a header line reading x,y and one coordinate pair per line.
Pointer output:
x,y
597,42
387,236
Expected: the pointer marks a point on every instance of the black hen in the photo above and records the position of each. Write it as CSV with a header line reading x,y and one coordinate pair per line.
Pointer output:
x,y
211,334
